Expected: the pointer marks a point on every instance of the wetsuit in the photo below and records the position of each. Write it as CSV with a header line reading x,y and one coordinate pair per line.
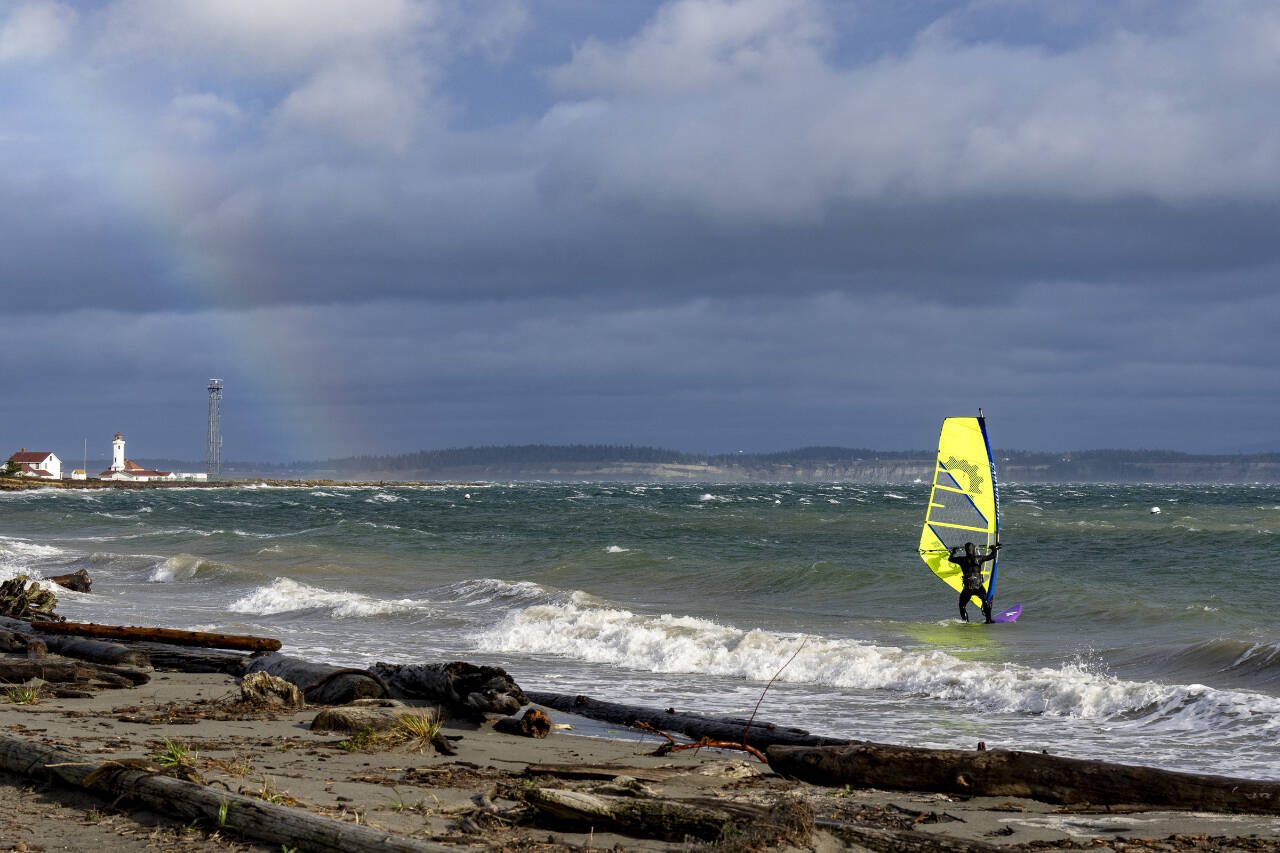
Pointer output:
x,y
971,570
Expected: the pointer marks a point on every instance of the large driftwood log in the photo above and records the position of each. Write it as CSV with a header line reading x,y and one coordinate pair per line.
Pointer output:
x,y
15,641
63,670
350,719
97,651
164,635
77,581
187,659
642,817
760,734
1005,773
269,822
320,683
463,687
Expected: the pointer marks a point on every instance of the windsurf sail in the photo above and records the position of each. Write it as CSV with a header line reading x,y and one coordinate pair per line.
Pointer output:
x,y
964,504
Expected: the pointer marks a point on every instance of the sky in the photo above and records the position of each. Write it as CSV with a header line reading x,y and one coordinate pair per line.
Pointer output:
x,y
704,225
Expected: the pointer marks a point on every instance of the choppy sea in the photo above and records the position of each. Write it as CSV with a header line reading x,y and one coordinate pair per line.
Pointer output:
x,y
1145,638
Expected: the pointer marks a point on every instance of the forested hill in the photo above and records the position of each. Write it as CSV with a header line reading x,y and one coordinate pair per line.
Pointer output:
x,y
599,462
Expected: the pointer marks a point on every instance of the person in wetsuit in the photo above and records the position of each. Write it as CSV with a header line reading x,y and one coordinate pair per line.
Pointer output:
x,y
970,564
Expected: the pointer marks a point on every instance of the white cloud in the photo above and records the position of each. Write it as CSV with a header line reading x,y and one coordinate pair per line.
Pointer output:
x,y
695,45
254,38
366,104
201,117
35,31
738,110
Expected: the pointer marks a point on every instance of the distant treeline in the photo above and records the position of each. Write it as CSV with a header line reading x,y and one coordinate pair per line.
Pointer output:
x,y
587,462
544,454
556,454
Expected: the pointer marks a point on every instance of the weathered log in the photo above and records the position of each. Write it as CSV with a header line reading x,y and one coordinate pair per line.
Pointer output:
x,y
63,670
13,641
463,687
77,581
97,651
533,723
350,719
669,820
759,734
1006,773
186,659
320,683
164,635
187,801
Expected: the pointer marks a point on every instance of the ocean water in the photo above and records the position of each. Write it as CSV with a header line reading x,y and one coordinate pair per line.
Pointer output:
x,y
1145,638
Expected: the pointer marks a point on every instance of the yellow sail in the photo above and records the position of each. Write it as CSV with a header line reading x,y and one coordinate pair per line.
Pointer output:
x,y
964,505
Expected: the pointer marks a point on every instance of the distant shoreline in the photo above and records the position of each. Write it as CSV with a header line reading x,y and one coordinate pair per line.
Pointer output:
x,y
19,484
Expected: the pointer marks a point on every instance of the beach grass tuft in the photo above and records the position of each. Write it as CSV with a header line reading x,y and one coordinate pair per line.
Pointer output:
x,y
21,695
419,728
175,754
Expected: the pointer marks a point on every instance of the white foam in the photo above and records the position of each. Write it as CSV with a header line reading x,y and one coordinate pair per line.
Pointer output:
x,y
686,644
616,549
285,595
23,549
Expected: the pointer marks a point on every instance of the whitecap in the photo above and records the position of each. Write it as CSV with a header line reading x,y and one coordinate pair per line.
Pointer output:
x,y
179,567
285,595
616,549
684,644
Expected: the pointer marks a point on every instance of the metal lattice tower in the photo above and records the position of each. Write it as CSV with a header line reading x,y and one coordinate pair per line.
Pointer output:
x,y
215,428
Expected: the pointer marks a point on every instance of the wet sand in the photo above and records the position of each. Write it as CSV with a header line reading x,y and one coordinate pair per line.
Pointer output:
x,y
425,795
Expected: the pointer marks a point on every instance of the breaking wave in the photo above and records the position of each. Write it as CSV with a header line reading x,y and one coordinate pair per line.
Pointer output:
x,y
285,595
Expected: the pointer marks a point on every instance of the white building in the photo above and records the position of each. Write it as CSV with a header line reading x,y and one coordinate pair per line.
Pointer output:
x,y
127,470
40,464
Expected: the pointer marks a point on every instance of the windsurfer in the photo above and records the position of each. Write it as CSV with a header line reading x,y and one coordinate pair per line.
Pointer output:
x,y
970,564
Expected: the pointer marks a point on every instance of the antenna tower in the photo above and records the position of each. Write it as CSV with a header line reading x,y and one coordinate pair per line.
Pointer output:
x,y
215,428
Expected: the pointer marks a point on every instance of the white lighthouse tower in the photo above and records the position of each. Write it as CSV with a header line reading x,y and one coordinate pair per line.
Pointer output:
x,y
117,453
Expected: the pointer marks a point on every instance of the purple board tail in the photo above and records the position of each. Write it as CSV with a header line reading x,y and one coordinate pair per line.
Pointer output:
x,y
1010,615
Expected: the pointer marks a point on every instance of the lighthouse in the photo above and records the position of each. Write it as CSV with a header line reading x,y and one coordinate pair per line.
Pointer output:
x,y
117,453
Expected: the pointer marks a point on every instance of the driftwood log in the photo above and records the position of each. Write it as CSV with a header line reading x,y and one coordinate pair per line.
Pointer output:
x,y
173,636
380,715
641,817
77,581
66,671
187,659
1006,773
13,641
320,683
464,688
759,734
96,651
254,818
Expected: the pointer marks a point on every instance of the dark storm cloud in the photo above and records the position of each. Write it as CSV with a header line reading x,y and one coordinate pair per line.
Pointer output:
x,y
700,223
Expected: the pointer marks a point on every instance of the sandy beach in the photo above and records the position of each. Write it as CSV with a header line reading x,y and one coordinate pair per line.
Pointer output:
x,y
475,798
